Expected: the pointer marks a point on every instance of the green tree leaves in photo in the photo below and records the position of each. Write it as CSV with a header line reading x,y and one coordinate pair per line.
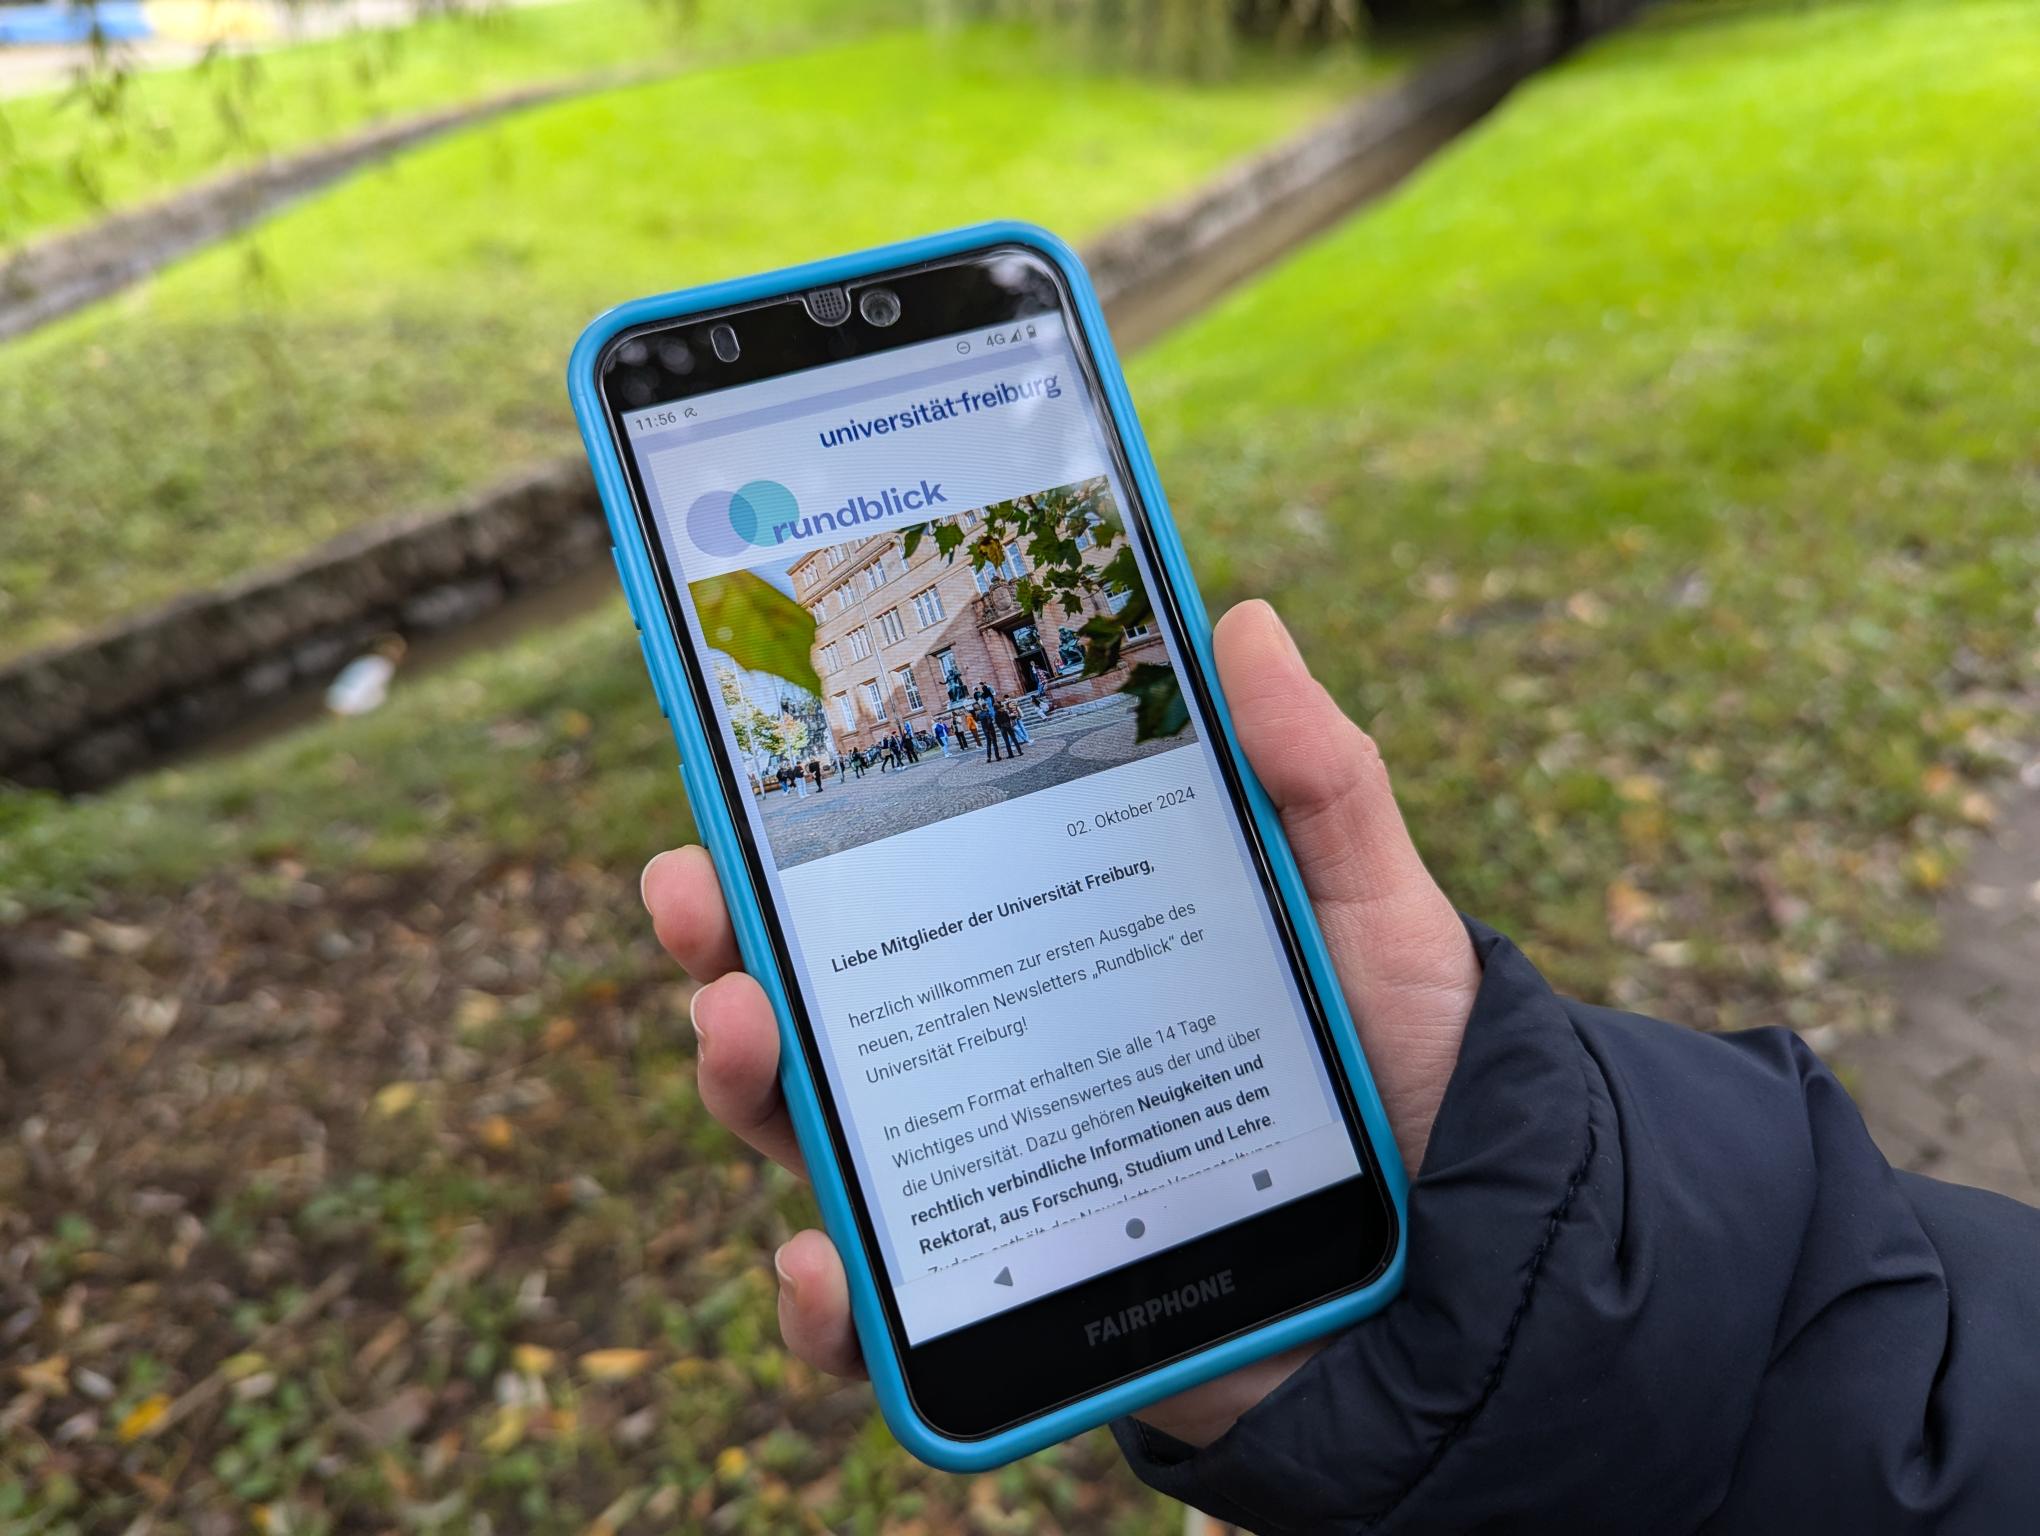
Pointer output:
x,y
758,626
1159,707
1051,526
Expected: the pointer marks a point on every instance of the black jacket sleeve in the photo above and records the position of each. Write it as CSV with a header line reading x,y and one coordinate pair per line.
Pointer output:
x,y
1658,1281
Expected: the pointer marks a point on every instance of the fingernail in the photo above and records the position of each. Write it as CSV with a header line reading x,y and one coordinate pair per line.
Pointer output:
x,y
1282,629
786,1285
694,1018
644,878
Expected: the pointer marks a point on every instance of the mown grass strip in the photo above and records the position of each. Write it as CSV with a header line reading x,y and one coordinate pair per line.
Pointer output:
x,y
400,339
1656,479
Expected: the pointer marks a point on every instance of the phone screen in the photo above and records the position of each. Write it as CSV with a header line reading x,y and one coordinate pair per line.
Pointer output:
x,y
1056,1011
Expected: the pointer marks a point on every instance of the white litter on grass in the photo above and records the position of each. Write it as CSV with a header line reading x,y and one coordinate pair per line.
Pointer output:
x,y
364,683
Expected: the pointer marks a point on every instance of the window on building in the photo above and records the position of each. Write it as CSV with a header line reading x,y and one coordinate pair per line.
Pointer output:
x,y
831,657
834,555
1118,600
928,608
847,710
875,697
820,611
1011,568
909,687
846,599
969,519
875,574
890,627
1084,538
860,643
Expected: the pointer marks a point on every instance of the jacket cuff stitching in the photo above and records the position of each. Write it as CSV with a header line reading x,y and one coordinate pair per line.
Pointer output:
x,y
1492,1381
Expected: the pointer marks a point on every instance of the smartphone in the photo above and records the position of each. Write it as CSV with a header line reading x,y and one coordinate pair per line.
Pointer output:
x,y
1084,1109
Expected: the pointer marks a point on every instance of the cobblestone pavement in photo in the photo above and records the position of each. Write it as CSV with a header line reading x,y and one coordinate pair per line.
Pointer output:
x,y
880,804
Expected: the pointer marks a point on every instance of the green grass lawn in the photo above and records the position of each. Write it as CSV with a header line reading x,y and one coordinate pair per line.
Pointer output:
x,y
71,154
402,338
1654,475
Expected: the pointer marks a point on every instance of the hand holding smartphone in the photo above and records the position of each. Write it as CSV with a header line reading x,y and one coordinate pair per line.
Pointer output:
x,y
1398,946
1077,1086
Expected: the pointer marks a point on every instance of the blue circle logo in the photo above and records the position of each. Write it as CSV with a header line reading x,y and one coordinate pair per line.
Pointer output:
x,y
729,522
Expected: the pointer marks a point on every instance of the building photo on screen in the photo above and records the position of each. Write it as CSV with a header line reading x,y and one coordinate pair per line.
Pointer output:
x,y
900,678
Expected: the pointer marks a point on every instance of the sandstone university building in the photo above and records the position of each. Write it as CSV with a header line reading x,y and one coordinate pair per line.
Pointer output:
x,y
900,642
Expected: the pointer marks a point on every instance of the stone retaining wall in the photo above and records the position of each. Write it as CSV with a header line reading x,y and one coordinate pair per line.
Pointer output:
x,y
77,716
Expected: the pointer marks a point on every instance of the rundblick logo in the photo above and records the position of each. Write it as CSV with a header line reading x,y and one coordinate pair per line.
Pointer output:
x,y
729,522
764,514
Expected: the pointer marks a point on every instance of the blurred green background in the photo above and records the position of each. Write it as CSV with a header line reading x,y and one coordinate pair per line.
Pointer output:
x,y
1654,473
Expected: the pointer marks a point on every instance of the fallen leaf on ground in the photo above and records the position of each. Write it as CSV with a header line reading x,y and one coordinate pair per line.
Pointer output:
x,y
51,1375
533,1359
614,1364
395,1098
1631,911
143,1417
508,1430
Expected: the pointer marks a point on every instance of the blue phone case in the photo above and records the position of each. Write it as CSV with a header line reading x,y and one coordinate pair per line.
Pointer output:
x,y
719,833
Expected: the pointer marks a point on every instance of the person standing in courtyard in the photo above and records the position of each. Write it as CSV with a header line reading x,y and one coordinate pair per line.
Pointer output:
x,y
1019,720
942,735
1004,717
814,770
987,727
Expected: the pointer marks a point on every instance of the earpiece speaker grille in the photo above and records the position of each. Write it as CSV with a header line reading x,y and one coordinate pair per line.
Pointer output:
x,y
828,306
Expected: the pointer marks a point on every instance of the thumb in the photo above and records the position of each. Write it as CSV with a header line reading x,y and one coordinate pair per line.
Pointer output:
x,y
1404,960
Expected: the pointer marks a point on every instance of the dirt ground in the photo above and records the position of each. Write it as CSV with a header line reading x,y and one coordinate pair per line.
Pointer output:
x,y
324,1200
343,1205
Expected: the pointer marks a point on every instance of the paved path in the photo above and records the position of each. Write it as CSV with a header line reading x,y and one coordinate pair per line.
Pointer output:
x,y
1954,1089
852,813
